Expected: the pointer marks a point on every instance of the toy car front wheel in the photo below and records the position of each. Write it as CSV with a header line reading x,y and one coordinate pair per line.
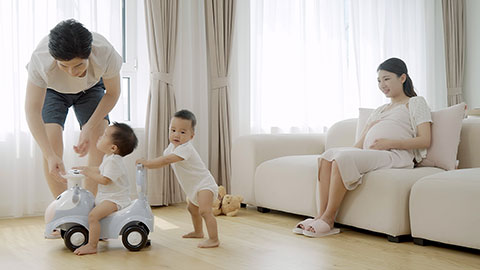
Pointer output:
x,y
134,238
75,237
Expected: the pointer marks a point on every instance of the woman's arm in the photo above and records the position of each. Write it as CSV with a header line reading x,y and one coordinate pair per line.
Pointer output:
x,y
159,161
422,140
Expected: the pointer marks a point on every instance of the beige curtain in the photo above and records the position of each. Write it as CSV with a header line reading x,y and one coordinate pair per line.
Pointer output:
x,y
161,22
219,26
454,31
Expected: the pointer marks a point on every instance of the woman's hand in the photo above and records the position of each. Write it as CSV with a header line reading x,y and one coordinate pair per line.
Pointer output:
x,y
382,144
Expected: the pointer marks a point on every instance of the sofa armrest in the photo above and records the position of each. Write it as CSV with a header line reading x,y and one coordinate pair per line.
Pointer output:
x,y
250,151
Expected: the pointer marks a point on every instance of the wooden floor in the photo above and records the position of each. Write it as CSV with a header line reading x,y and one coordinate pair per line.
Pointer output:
x,y
249,241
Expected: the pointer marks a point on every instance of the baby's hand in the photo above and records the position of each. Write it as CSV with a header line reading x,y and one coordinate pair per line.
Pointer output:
x,y
142,161
87,170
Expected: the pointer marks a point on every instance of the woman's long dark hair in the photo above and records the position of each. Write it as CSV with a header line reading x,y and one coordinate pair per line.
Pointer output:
x,y
399,67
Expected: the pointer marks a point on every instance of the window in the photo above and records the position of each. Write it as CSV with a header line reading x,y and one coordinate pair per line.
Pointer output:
x,y
313,62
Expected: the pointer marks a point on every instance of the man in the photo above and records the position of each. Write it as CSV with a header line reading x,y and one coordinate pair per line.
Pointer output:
x,y
71,67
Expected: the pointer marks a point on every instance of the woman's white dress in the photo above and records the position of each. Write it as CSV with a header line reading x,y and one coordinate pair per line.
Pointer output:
x,y
394,123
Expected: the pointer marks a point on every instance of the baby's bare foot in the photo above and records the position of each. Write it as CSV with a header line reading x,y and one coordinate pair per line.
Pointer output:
x,y
193,235
86,249
209,243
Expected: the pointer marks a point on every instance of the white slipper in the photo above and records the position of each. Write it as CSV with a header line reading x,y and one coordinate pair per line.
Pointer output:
x,y
305,223
321,229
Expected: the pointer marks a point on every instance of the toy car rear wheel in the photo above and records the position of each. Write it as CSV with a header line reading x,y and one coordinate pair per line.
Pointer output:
x,y
75,237
134,238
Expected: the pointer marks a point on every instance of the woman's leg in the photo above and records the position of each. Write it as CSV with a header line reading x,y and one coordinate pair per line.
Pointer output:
x,y
324,173
337,192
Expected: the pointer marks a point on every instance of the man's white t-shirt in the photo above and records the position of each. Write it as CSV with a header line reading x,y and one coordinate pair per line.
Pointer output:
x,y
117,191
191,172
103,62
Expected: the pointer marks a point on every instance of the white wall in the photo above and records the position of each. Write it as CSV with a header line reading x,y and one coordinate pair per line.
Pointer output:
x,y
471,88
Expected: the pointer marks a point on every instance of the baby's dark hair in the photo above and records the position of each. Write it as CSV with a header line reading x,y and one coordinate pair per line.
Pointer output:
x,y
186,115
124,138
69,39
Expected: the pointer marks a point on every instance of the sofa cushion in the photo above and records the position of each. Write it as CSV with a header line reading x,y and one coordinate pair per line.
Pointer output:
x,y
446,127
380,203
288,184
444,208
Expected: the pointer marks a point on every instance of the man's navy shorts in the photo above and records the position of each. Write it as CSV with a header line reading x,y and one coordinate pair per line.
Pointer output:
x,y
55,107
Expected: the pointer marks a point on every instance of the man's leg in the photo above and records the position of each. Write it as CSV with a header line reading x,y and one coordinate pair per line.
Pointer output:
x,y
95,156
54,134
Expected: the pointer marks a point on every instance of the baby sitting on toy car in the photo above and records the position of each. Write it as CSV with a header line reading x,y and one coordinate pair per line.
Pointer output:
x,y
118,141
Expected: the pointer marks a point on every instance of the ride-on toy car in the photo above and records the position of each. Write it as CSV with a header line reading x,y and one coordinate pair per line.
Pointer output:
x,y
69,215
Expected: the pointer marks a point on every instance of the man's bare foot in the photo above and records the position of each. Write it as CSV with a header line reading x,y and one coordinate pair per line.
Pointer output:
x,y
209,243
86,249
193,235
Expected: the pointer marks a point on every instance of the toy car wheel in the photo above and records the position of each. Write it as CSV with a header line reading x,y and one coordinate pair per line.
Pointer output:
x,y
75,237
134,238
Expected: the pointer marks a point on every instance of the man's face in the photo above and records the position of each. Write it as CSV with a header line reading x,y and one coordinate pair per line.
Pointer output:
x,y
77,67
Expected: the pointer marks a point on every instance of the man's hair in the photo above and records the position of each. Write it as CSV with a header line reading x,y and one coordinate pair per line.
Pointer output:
x,y
124,138
68,40
186,115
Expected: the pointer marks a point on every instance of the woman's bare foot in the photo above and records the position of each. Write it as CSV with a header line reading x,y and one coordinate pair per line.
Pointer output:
x,y
86,249
209,243
193,235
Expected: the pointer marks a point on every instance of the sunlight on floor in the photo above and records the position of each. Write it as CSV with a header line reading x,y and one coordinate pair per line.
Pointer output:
x,y
163,224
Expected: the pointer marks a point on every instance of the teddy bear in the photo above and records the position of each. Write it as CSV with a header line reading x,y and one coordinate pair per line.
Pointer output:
x,y
226,204
217,205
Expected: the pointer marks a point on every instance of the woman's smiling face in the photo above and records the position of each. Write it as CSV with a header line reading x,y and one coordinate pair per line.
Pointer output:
x,y
390,84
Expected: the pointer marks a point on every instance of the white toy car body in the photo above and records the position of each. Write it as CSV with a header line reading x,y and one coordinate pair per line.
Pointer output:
x,y
69,215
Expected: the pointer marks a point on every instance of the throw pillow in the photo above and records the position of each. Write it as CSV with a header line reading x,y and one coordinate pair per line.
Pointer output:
x,y
446,127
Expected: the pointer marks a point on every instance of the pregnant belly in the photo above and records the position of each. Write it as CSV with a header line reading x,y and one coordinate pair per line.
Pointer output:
x,y
385,130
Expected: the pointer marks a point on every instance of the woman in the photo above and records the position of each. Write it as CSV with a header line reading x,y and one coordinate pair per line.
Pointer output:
x,y
396,136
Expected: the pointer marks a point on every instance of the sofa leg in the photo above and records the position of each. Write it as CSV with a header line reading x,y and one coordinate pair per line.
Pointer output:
x,y
399,239
262,209
243,205
420,241
393,239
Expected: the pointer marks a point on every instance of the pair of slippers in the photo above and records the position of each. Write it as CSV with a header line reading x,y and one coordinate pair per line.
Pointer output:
x,y
320,227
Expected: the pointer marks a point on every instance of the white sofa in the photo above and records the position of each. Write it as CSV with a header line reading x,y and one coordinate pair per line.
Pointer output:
x,y
279,172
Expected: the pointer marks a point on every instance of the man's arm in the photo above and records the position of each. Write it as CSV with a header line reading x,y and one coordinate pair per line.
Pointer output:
x,y
112,93
34,99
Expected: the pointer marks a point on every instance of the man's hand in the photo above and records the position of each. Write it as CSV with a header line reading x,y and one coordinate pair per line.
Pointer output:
x,y
56,168
382,144
83,142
